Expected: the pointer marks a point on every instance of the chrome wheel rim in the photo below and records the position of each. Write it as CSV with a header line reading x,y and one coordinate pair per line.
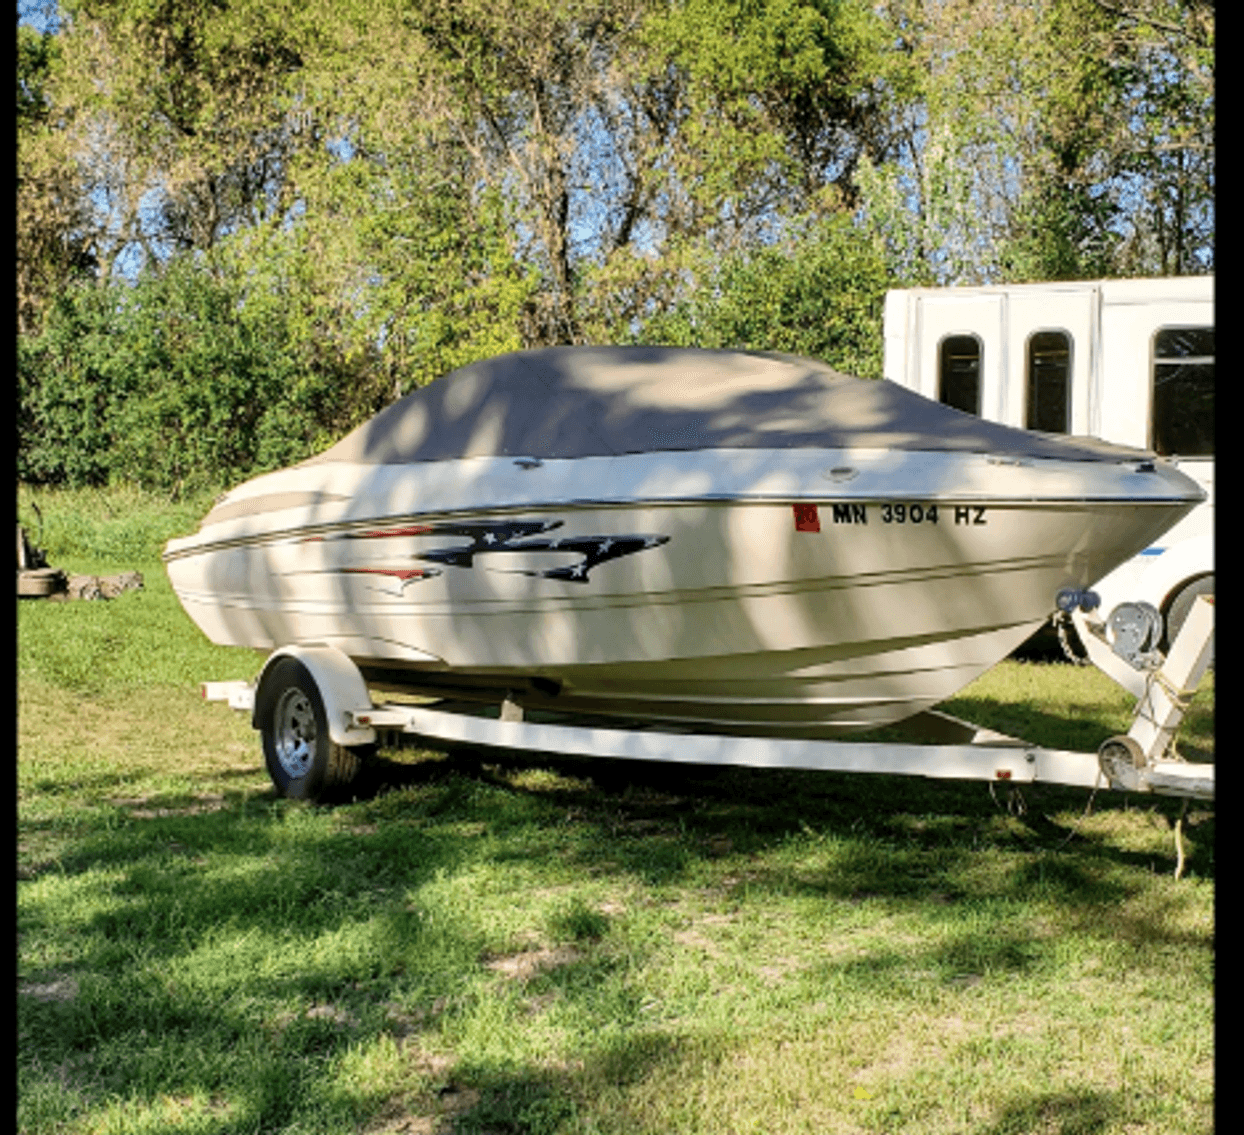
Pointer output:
x,y
295,733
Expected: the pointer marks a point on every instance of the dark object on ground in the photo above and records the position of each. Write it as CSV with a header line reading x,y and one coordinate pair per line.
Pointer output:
x,y
99,586
39,582
35,579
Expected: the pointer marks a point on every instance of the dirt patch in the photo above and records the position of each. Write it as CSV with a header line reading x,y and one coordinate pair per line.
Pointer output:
x,y
541,1004
696,941
404,1125
403,1022
432,1112
62,989
398,1120
779,969
331,1013
338,1017
524,966
966,980
138,810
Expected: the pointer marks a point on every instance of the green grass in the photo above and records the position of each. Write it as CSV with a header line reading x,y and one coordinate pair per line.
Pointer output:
x,y
574,946
113,528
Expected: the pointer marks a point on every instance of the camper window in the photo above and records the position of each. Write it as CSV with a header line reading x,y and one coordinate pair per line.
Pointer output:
x,y
959,373
1049,382
1183,392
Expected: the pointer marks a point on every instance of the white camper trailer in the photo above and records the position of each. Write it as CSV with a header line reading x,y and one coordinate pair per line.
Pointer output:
x,y
1129,361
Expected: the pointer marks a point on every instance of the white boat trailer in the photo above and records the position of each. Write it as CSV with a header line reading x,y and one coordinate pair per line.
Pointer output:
x,y
336,702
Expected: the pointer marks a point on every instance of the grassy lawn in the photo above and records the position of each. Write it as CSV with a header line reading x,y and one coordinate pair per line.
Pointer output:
x,y
573,946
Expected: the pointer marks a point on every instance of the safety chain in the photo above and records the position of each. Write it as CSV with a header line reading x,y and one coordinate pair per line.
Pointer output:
x,y
1016,805
1062,622
1088,807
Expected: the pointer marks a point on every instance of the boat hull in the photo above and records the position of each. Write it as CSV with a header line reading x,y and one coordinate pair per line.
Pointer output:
x,y
813,593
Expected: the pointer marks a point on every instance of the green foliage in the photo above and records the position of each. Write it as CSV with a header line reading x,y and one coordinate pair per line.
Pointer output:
x,y
194,110
220,367
819,293
1063,232
321,205
1068,138
444,287
173,383
35,54
63,412
762,80
199,381
53,250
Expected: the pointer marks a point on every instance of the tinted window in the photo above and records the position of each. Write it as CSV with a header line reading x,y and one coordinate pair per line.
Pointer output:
x,y
959,373
1183,392
1049,382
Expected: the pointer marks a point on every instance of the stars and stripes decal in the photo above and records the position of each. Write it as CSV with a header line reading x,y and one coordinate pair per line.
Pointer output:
x,y
497,538
486,536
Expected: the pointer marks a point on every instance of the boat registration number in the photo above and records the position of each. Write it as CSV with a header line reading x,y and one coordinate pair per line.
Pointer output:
x,y
807,516
910,513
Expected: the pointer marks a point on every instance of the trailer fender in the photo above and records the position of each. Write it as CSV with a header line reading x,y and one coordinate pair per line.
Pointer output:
x,y
1157,577
340,684
1178,566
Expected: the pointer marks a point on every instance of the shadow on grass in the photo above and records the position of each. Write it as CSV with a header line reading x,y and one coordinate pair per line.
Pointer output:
x,y
962,961
892,838
893,818
1058,1113
1079,728
1022,719
277,933
232,980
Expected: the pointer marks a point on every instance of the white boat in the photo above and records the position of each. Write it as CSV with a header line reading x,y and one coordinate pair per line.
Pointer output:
x,y
702,540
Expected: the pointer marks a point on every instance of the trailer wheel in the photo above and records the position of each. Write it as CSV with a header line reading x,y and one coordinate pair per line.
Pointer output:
x,y
40,582
1178,609
302,759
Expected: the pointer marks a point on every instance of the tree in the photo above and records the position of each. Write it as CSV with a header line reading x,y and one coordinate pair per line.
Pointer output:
x,y
175,382
1123,180
1168,155
181,123
819,292
379,192
626,137
53,242
1059,139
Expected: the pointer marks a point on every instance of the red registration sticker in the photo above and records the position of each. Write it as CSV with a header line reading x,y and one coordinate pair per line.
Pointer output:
x,y
806,518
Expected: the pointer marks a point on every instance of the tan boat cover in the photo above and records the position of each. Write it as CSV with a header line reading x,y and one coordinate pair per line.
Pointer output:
x,y
599,401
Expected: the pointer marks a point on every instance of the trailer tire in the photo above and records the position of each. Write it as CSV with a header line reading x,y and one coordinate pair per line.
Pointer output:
x,y
1178,609
40,582
303,760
